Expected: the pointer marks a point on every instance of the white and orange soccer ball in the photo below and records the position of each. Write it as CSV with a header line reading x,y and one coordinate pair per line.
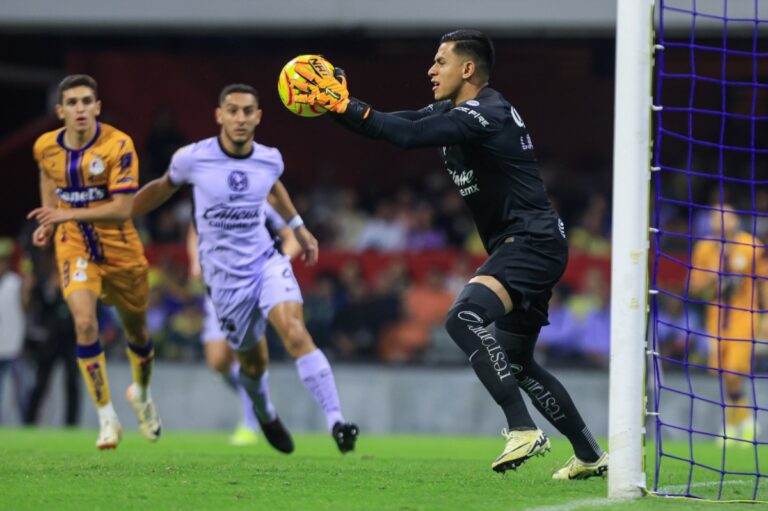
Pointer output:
x,y
287,92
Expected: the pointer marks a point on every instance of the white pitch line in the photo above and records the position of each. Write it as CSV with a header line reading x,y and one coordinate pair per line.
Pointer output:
x,y
577,504
681,487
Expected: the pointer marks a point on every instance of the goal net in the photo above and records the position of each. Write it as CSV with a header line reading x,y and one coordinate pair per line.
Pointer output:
x,y
708,328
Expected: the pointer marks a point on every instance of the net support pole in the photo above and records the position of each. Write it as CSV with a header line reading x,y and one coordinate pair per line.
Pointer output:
x,y
629,262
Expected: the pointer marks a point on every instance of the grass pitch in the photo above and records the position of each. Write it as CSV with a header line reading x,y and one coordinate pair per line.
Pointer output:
x,y
62,470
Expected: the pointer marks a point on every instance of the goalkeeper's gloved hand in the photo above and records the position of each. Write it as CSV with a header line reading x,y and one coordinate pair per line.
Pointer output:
x,y
322,87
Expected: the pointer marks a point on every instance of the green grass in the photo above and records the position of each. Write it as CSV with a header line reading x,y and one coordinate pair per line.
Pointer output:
x,y
62,470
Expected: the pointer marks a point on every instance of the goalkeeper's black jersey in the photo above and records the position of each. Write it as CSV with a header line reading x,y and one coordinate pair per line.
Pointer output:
x,y
488,153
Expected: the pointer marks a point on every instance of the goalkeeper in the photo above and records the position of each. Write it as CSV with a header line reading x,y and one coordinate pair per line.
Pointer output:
x,y
488,153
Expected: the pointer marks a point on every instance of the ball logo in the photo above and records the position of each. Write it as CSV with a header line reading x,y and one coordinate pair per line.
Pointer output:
x,y
79,276
238,181
96,166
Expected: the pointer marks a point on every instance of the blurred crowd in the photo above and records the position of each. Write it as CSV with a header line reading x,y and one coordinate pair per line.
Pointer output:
x,y
392,315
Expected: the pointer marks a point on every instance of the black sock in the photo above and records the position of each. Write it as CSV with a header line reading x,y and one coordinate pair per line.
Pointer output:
x,y
475,308
547,394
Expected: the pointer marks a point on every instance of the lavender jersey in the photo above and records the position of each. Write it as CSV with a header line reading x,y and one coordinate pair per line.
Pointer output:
x,y
230,195
212,331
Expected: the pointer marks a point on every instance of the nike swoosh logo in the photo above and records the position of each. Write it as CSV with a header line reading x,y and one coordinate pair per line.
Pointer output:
x,y
507,453
516,448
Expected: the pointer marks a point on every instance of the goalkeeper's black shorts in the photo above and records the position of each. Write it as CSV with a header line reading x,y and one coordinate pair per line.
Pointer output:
x,y
528,268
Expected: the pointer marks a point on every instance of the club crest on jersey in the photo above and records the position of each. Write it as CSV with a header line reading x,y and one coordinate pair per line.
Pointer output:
x,y
96,166
238,181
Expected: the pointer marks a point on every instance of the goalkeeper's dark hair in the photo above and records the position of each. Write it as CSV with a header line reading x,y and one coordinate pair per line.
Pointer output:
x,y
72,81
476,46
237,87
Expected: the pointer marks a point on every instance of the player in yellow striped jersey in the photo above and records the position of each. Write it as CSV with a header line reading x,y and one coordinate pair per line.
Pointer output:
x,y
89,173
729,274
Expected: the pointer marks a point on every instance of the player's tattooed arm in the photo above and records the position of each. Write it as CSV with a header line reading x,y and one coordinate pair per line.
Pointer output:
x,y
280,200
152,195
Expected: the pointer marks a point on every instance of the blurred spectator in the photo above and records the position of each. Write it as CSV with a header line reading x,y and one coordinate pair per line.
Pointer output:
x,y
590,235
12,300
365,314
352,335
559,341
166,227
53,338
320,305
459,274
383,232
423,235
163,139
348,219
424,309
678,332
453,218
594,286
473,244
175,313
761,214
595,338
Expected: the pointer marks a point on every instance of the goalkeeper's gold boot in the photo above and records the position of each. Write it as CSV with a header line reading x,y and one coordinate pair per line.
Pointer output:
x,y
521,446
577,469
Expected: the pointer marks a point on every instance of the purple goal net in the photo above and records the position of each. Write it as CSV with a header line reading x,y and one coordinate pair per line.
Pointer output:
x,y
708,328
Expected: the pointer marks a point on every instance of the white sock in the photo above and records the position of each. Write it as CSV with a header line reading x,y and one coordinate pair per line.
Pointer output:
x,y
316,375
106,412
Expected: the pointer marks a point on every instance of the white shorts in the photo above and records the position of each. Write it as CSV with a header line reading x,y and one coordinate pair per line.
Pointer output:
x,y
242,312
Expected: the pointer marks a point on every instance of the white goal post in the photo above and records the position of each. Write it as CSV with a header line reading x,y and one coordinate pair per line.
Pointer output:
x,y
629,261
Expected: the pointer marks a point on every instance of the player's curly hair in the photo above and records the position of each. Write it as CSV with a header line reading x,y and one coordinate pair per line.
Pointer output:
x,y
237,87
72,81
475,45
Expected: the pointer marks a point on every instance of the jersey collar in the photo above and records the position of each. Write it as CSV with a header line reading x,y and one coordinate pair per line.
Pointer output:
x,y
235,156
60,139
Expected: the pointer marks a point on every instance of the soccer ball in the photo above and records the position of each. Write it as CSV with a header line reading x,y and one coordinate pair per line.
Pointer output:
x,y
287,92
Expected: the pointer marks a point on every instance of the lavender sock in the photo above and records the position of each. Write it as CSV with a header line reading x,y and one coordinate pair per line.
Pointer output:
x,y
257,392
316,375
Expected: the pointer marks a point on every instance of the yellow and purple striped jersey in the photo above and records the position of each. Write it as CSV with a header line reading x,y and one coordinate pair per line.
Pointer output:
x,y
88,177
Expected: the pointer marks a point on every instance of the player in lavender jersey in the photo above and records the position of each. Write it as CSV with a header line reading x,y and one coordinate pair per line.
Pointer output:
x,y
218,355
233,178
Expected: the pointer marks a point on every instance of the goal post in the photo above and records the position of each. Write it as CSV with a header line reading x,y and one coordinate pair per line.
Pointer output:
x,y
629,256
